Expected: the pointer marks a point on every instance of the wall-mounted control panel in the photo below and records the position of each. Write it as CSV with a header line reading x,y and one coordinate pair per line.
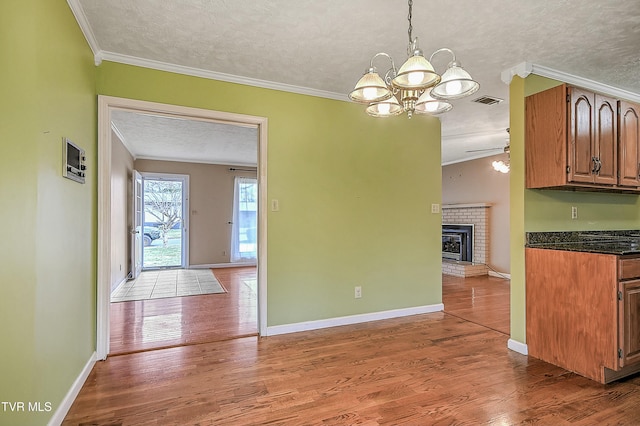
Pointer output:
x,y
73,161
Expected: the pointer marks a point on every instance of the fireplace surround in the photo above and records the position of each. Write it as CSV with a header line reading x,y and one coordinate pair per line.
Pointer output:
x,y
476,214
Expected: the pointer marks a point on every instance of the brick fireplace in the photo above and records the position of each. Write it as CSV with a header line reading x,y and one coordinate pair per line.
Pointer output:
x,y
465,215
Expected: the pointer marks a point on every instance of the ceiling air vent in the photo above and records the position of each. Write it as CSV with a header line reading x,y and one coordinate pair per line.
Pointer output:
x,y
487,100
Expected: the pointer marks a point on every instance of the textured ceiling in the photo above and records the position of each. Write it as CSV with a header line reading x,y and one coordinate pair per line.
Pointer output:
x,y
326,45
151,136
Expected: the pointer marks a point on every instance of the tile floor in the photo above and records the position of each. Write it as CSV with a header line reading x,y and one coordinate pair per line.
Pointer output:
x,y
168,283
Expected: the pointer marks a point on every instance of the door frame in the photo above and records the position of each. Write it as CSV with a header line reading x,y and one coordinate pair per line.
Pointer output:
x,y
105,105
184,221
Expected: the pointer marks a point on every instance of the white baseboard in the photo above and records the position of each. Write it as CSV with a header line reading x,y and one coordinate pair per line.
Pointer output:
x,y
516,346
67,401
222,265
352,319
119,285
499,275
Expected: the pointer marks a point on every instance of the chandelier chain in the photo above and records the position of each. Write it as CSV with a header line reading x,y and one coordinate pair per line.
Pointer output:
x,y
409,19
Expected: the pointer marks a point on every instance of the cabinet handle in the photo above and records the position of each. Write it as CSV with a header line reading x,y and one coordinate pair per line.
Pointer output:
x,y
594,160
599,163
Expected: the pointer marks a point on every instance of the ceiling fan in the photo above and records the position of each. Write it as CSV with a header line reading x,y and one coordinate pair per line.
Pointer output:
x,y
505,148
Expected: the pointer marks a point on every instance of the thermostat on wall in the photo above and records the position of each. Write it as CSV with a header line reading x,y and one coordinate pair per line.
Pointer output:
x,y
73,159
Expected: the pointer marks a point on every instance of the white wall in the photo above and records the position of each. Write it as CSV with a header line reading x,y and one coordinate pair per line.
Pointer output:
x,y
121,186
477,182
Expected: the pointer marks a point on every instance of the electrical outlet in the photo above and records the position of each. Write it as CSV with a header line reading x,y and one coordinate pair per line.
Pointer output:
x,y
435,208
574,212
358,292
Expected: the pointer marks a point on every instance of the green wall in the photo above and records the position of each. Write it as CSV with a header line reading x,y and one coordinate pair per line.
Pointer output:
x,y
47,312
354,192
536,210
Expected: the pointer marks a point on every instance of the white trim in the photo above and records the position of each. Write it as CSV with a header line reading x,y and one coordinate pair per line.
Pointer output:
x,y
465,206
196,161
516,346
212,75
124,280
499,274
83,22
222,265
104,229
525,68
522,70
351,319
67,401
105,105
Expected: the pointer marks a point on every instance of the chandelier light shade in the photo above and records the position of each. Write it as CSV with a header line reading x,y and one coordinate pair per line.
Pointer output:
x,y
427,104
386,108
414,88
416,73
370,88
455,83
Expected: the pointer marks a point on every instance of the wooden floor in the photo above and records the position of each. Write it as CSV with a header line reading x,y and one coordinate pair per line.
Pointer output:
x,y
176,321
483,300
432,369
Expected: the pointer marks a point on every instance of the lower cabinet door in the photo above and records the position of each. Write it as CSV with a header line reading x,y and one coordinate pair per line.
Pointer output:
x,y
629,326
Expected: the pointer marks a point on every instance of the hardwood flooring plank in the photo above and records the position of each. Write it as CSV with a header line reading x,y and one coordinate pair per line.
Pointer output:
x,y
176,321
435,369
425,369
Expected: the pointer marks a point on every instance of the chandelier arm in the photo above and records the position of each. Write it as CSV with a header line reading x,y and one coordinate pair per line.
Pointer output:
x,y
444,49
391,73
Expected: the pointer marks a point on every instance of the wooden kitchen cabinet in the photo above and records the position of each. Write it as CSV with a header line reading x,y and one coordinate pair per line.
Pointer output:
x,y
572,141
583,311
629,319
629,146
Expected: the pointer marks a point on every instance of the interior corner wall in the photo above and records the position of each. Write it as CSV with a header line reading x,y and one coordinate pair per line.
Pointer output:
x,y
354,194
121,211
211,188
476,181
48,249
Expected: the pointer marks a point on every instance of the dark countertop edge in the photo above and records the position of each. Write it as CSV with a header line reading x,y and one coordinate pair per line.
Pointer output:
x,y
583,249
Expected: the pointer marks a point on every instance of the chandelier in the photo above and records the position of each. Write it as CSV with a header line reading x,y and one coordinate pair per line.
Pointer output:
x,y
415,87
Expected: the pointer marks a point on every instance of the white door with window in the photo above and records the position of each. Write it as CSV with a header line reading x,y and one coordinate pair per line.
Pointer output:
x,y
164,220
136,229
244,232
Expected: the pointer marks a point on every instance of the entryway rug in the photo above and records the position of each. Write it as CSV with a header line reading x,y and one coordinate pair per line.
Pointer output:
x,y
159,284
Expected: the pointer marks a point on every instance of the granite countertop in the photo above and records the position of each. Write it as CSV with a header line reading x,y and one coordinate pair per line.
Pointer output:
x,y
607,242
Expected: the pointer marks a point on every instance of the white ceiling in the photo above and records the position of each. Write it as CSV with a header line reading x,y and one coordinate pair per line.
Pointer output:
x,y
150,136
323,47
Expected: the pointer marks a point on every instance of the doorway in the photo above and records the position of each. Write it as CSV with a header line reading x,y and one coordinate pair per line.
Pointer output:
x,y
107,106
165,200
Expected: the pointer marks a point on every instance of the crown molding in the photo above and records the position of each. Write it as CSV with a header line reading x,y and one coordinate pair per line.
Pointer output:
x,y
522,70
229,78
525,68
83,22
122,139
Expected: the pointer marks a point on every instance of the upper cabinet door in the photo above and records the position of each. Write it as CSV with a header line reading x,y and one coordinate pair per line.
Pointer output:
x,y
606,140
581,133
629,154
